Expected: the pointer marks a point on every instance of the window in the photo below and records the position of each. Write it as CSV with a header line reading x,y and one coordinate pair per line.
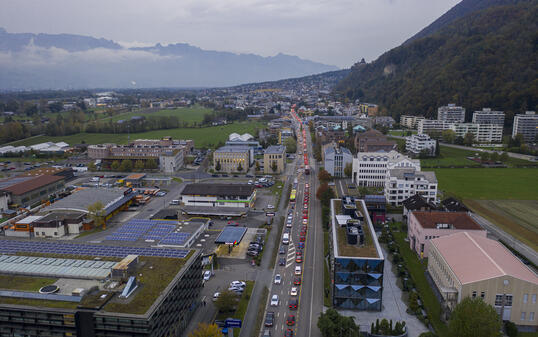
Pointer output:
x,y
531,316
533,298
474,294
525,298
482,294
508,300
523,314
498,300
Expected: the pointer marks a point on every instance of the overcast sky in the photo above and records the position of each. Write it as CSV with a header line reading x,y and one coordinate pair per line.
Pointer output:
x,y
336,32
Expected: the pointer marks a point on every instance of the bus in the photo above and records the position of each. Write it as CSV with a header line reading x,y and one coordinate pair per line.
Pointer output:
x,y
292,195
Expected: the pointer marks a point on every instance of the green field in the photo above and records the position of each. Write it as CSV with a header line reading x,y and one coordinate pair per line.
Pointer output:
x,y
450,156
517,217
203,137
190,115
489,184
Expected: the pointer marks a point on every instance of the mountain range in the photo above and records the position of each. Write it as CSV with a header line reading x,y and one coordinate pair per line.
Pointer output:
x,y
477,58
66,61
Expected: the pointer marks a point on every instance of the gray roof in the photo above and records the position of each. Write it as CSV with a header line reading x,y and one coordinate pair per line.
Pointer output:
x,y
53,267
242,190
401,173
275,149
232,148
112,198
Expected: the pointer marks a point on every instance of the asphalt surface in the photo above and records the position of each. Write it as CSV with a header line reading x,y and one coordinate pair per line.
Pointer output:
x,y
310,291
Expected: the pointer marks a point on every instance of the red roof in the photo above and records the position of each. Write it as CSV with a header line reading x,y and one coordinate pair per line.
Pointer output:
x,y
32,184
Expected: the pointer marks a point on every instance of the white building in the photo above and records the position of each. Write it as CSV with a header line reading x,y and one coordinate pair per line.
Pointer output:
x,y
487,116
219,195
336,159
402,183
432,125
451,113
526,125
483,133
171,161
415,144
410,122
370,168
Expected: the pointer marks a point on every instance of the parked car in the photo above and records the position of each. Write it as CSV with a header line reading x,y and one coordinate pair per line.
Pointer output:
x,y
216,296
207,275
238,284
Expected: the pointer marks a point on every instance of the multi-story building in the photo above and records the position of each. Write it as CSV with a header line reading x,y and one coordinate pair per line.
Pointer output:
x,y
410,122
142,296
483,133
403,183
25,191
451,113
219,195
164,150
429,126
424,226
487,116
468,265
370,168
373,141
335,160
233,158
356,258
284,134
526,125
274,159
416,144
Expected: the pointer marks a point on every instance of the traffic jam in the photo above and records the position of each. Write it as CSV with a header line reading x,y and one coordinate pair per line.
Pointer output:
x,y
282,313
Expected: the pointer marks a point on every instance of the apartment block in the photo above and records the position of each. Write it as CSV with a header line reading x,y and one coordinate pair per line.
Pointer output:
x,y
233,158
410,122
335,160
487,116
274,157
432,125
526,125
403,183
370,168
451,113
415,144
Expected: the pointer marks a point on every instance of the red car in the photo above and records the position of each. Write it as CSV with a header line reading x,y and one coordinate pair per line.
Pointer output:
x,y
293,304
297,281
302,238
299,259
288,333
290,321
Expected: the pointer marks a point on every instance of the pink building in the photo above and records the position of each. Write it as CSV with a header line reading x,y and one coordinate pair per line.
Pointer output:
x,y
424,226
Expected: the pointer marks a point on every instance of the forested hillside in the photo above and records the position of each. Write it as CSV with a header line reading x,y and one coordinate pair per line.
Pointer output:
x,y
486,59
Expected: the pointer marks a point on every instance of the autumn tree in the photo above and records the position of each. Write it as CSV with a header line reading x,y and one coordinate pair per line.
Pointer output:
x,y
226,301
348,170
96,213
206,330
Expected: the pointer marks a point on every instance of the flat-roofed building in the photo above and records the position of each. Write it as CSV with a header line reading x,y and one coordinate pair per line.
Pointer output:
x,y
526,125
410,122
233,158
451,113
402,183
336,159
373,141
284,134
425,226
370,168
59,224
357,260
488,116
219,195
274,159
429,126
419,144
465,264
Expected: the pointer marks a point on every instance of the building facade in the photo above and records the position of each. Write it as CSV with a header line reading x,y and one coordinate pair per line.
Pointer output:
x,y
219,195
483,133
370,168
284,134
402,183
424,226
25,191
274,157
487,116
432,125
526,125
410,122
171,161
233,158
451,113
493,274
335,160
373,141
416,144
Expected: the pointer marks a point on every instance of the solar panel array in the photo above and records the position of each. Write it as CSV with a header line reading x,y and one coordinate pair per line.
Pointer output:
x,y
16,246
135,229
175,238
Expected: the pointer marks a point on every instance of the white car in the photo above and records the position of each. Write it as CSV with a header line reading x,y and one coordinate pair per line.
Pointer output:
x,y
240,284
293,291
305,221
297,270
207,275
270,206
278,279
216,296
274,301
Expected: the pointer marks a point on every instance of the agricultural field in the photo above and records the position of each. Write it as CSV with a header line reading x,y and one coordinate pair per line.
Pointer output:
x,y
516,217
489,183
203,137
189,115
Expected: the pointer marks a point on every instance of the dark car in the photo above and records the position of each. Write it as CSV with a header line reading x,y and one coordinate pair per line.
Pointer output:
x,y
293,304
282,261
214,175
282,250
300,245
269,318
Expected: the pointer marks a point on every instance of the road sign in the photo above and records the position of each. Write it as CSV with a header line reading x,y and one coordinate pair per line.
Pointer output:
x,y
233,323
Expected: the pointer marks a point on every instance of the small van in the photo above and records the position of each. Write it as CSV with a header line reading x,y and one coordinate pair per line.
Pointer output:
x,y
286,239
174,202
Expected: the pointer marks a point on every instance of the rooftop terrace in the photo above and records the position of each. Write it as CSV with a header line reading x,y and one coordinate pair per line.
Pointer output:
x,y
370,248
